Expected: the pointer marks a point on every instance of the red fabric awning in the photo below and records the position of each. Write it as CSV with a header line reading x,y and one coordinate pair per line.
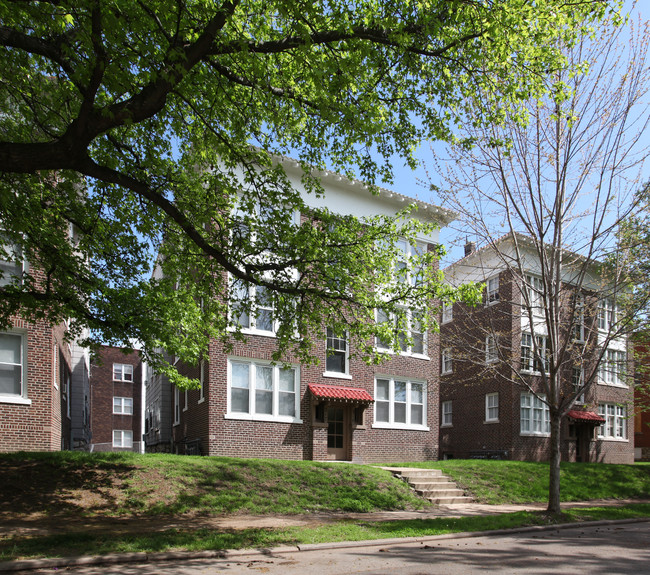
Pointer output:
x,y
338,393
588,416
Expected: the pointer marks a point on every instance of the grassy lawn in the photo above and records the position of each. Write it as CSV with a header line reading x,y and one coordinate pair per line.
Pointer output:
x,y
497,482
68,488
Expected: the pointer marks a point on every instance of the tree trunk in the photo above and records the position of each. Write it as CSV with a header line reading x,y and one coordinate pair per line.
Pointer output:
x,y
554,467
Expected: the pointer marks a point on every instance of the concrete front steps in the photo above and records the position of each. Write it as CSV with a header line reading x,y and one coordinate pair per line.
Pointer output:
x,y
431,484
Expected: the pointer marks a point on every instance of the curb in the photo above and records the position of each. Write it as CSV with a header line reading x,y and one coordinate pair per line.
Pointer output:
x,y
125,558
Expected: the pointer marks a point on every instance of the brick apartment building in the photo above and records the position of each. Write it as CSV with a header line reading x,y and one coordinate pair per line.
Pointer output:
x,y
484,413
341,409
43,379
116,400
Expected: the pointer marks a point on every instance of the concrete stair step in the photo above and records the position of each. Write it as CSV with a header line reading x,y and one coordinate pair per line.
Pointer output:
x,y
431,484
450,500
441,484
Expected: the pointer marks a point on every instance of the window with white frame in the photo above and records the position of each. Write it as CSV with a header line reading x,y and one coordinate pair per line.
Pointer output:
x,y
122,438
606,314
578,329
202,382
534,415
446,409
337,353
252,308
578,381
611,369
122,372
530,357
447,366
447,312
259,390
400,403
12,262
12,366
490,349
406,271
491,407
177,405
535,291
492,290
615,426
123,405
412,337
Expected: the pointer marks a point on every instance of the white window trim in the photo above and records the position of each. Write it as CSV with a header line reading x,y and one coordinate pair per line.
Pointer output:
x,y
251,415
23,265
532,407
446,362
22,398
123,433
252,317
489,419
488,357
447,408
603,409
607,314
492,290
123,370
186,404
610,357
580,399
177,406
542,341
579,318
405,256
409,351
391,423
122,405
535,288
447,312
202,382
339,374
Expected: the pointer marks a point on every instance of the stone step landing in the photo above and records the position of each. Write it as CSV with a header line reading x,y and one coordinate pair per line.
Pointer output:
x,y
431,484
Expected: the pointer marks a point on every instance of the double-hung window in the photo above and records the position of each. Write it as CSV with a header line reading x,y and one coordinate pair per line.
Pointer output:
x,y
532,359
535,291
578,381
123,405
123,372
606,314
615,426
447,312
336,361
447,413
252,308
578,328
261,391
400,403
411,335
122,438
447,366
12,263
13,381
406,269
611,369
492,290
491,407
534,415
490,349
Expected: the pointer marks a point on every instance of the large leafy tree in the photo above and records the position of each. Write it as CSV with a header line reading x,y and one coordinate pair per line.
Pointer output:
x,y
140,123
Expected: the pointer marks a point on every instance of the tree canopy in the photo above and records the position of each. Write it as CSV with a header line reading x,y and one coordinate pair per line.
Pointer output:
x,y
140,123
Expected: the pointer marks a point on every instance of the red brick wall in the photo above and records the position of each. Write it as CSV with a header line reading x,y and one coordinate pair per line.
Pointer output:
x,y
103,389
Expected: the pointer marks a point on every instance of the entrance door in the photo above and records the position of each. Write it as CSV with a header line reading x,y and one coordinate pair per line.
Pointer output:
x,y
337,436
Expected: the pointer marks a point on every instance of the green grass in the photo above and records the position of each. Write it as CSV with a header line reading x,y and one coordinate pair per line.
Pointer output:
x,y
497,482
122,484
64,545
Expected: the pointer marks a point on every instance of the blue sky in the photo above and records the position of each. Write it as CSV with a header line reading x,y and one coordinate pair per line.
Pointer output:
x,y
413,183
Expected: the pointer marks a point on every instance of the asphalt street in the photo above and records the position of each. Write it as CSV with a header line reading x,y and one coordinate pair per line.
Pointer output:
x,y
615,548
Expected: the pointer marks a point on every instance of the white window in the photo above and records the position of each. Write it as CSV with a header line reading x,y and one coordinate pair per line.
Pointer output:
x,y
122,438
447,366
177,405
202,382
447,312
534,415
252,308
13,380
530,361
122,372
606,314
186,400
492,290
490,349
578,380
400,403
12,262
446,409
123,405
492,407
535,290
611,369
578,318
615,426
261,391
406,271
337,353
411,328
